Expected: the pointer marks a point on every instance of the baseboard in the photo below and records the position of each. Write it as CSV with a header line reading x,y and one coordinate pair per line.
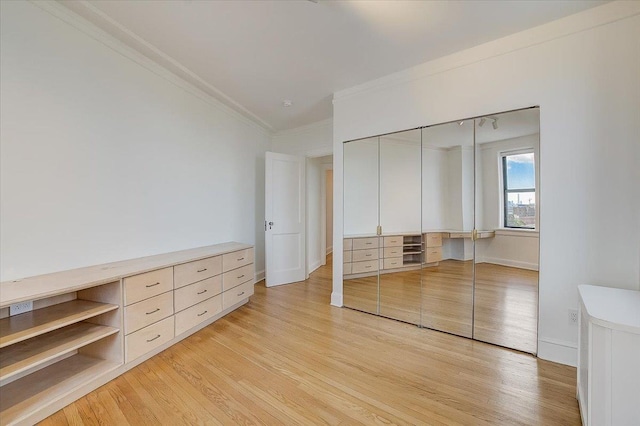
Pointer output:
x,y
558,351
508,262
260,276
329,250
336,299
315,265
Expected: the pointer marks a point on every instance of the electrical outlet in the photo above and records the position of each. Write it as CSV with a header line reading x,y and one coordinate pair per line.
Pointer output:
x,y
20,308
573,316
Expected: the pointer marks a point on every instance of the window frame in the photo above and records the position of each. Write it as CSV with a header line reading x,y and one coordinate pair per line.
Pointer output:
x,y
506,191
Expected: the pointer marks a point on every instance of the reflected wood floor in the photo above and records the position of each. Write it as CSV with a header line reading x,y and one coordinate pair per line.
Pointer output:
x,y
288,357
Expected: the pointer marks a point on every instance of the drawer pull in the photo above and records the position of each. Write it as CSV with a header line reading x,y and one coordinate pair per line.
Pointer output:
x,y
242,258
201,270
203,291
240,294
151,340
241,276
202,313
153,312
368,255
368,244
152,285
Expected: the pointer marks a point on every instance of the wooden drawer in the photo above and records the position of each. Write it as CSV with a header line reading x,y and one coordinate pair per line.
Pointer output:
x,y
346,270
237,259
360,267
347,244
433,254
144,286
392,252
147,339
433,239
235,295
197,292
362,255
196,314
147,312
189,273
236,277
392,263
365,243
393,241
346,258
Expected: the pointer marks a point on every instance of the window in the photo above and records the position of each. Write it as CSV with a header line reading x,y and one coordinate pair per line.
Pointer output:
x,y
519,185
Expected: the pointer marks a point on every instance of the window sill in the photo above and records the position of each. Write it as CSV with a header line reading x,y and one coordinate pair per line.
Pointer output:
x,y
532,233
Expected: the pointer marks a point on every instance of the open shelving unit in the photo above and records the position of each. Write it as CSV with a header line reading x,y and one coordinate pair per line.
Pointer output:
x,y
412,249
49,353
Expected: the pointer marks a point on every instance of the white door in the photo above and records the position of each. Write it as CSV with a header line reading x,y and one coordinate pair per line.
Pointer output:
x,y
284,218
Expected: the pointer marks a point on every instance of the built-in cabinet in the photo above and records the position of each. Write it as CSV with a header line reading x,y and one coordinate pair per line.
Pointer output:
x,y
426,228
89,325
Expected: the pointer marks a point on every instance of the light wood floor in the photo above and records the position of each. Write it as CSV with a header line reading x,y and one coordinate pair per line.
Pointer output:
x,y
502,311
288,357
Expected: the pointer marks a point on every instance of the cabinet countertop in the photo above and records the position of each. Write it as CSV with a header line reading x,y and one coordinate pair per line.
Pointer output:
x,y
612,307
41,286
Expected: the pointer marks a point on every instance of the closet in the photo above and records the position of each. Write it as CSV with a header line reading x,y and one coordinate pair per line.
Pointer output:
x,y
441,227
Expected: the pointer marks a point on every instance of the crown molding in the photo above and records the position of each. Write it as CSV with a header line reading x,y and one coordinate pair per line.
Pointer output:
x,y
582,21
170,70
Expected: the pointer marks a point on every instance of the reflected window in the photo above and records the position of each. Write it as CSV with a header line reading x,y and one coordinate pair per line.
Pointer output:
x,y
519,186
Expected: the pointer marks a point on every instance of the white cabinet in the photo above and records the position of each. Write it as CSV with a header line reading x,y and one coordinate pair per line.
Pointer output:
x,y
609,356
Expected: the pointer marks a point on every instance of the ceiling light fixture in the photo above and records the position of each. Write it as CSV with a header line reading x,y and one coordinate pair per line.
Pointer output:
x,y
287,103
482,121
495,123
461,123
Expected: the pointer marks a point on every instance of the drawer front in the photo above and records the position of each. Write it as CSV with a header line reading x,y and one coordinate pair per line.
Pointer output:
x,y
392,262
147,312
347,244
433,239
365,243
236,277
362,255
360,267
189,273
196,314
433,254
392,252
394,241
237,259
235,295
346,258
147,339
197,292
144,286
347,269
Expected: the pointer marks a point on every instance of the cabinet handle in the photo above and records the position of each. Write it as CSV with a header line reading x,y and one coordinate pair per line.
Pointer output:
x,y
240,294
203,291
242,258
241,276
153,312
369,244
202,313
151,340
152,285
368,255
201,270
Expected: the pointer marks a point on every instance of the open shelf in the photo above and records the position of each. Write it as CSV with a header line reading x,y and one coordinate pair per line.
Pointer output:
x,y
30,393
31,324
30,354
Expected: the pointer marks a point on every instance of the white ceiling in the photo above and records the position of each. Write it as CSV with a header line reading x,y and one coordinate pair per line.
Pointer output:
x,y
252,55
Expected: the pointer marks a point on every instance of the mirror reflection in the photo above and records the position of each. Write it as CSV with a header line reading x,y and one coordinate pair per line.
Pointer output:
x,y
441,227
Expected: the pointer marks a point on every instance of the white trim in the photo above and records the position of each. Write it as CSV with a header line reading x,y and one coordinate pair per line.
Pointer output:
x,y
314,266
259,276
329,251
594,17
190,82
508,262
336,297
559,351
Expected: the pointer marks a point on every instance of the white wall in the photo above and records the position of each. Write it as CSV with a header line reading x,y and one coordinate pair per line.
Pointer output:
x,y
583,72
313,140
105,156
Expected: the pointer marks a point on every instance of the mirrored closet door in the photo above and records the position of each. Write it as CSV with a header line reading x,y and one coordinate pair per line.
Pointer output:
x,y
506,268
447,206
441,227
